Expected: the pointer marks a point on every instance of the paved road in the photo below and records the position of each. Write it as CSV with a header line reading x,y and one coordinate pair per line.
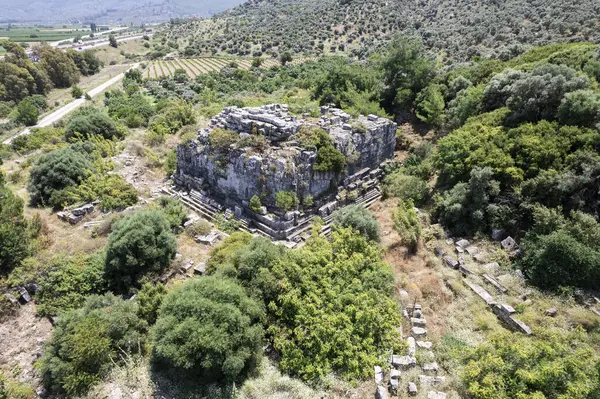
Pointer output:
x,y
91,45
61,112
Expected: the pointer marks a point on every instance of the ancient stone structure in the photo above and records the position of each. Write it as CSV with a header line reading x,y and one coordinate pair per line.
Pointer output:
x,y
282,161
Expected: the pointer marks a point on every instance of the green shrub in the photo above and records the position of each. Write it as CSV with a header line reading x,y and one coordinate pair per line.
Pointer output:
x,y
174,210
403,186
92,123
220,324
57,171
27,113
199,228
141,243
286,200
320,290
255,203
38,138
407,224
87,342
14,237
552,364
76,92
358,218
111,190
221,139
149,299
68,282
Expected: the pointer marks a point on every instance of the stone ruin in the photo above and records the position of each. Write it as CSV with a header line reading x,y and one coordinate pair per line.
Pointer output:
x,y
226,181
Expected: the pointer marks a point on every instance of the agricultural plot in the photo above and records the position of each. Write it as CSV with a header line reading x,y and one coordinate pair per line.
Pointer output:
x,y
42,34
197,66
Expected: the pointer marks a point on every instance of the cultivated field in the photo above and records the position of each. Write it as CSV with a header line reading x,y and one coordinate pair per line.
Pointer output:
x,y
35,34
197,66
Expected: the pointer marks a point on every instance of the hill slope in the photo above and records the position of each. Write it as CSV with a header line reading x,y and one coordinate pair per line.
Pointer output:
x,y
460,28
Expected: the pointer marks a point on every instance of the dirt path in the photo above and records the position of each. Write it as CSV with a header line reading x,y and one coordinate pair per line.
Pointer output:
x,y
21,342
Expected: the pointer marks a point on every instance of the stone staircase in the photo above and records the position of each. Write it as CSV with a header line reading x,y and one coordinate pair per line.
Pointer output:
x,y
430,375
208,209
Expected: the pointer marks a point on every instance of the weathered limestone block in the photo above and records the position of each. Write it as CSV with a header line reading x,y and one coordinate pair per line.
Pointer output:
x,y
378,375
412,388
381,393
509,244
424,344
403,362
412,346
436,395
418,332
418,322
462,243
431,368
430,381
450,262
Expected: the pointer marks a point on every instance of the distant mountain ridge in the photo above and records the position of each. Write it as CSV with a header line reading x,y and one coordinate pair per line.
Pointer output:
x,y
109,11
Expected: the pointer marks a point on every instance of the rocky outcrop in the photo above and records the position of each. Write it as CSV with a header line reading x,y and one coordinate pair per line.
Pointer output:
x,y
270,154
285,166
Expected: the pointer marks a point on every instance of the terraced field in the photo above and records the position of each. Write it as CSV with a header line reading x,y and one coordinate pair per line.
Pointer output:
x,y
196,66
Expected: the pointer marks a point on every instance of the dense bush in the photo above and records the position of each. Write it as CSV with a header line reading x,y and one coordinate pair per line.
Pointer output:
x,y
562,252
407,224
551,365
286,200
210,329
14,237
140,244
149,299
27,112
87,342
358,218
68,281
92,123
111,190
174,210
57,171
401,185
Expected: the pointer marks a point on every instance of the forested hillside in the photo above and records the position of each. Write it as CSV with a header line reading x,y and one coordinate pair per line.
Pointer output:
x,y
459,29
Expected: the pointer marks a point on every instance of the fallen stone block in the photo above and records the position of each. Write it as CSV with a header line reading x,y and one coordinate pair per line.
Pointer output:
x,y
417,313
418,322
483,294
430,381
24,295
495,283
378,375
412,346
509,244
412,388
551,312
418,332
472,250
75,219
480,257
464,270
431,368
462,243
200,268
394,381
498,234
436,395
403,362
439,251
492,268
424,344
450,262
381,393
459,250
